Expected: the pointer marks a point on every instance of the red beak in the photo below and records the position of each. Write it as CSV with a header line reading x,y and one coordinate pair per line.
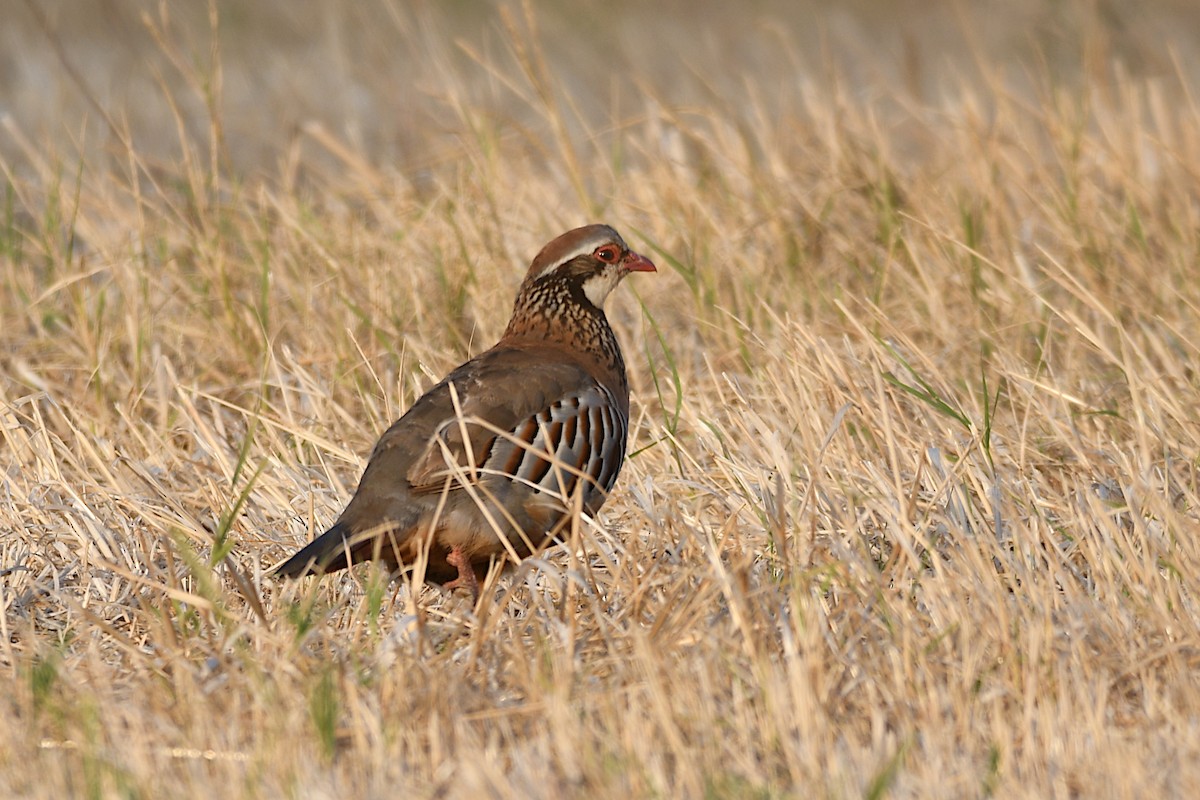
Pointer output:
x,y
635,262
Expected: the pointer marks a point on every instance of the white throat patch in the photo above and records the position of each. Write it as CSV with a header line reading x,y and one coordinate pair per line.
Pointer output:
x,y
598,286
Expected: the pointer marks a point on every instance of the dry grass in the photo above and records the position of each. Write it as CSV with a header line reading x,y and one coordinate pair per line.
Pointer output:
x,y
913,505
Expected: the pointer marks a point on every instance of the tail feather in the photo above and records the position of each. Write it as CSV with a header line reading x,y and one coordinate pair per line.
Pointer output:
x,y
326,553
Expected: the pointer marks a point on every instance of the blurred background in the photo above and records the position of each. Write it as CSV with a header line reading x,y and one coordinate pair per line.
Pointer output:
x,y
289,83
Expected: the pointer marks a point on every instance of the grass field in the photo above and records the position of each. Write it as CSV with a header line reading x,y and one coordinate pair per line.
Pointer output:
x,y
913,508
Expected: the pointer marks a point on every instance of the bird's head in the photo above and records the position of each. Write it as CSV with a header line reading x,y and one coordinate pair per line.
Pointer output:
x,y
589,262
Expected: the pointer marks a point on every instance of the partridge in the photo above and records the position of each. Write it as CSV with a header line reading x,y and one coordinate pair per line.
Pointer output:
x,y
491,462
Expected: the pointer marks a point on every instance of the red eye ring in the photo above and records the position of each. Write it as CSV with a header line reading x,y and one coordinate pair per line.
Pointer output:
x,y
608,254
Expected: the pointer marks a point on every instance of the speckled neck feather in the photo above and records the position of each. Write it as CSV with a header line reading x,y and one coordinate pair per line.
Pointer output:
x,y
553,308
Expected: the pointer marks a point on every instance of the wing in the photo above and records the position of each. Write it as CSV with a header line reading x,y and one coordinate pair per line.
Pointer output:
x,y
579,437
555,426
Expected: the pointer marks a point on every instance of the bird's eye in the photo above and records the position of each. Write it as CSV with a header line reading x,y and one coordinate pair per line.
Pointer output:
x,y
608,254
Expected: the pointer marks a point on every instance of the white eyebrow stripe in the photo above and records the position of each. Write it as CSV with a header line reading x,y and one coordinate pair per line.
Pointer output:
x,y
583,249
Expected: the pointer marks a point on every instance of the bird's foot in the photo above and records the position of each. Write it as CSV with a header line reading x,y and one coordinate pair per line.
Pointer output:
x,y
466,573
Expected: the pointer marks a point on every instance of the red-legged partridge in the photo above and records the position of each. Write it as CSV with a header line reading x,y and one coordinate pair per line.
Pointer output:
x,y
488,463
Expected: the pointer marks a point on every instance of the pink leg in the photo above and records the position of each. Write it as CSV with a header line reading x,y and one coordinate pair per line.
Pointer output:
x,y
466,573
